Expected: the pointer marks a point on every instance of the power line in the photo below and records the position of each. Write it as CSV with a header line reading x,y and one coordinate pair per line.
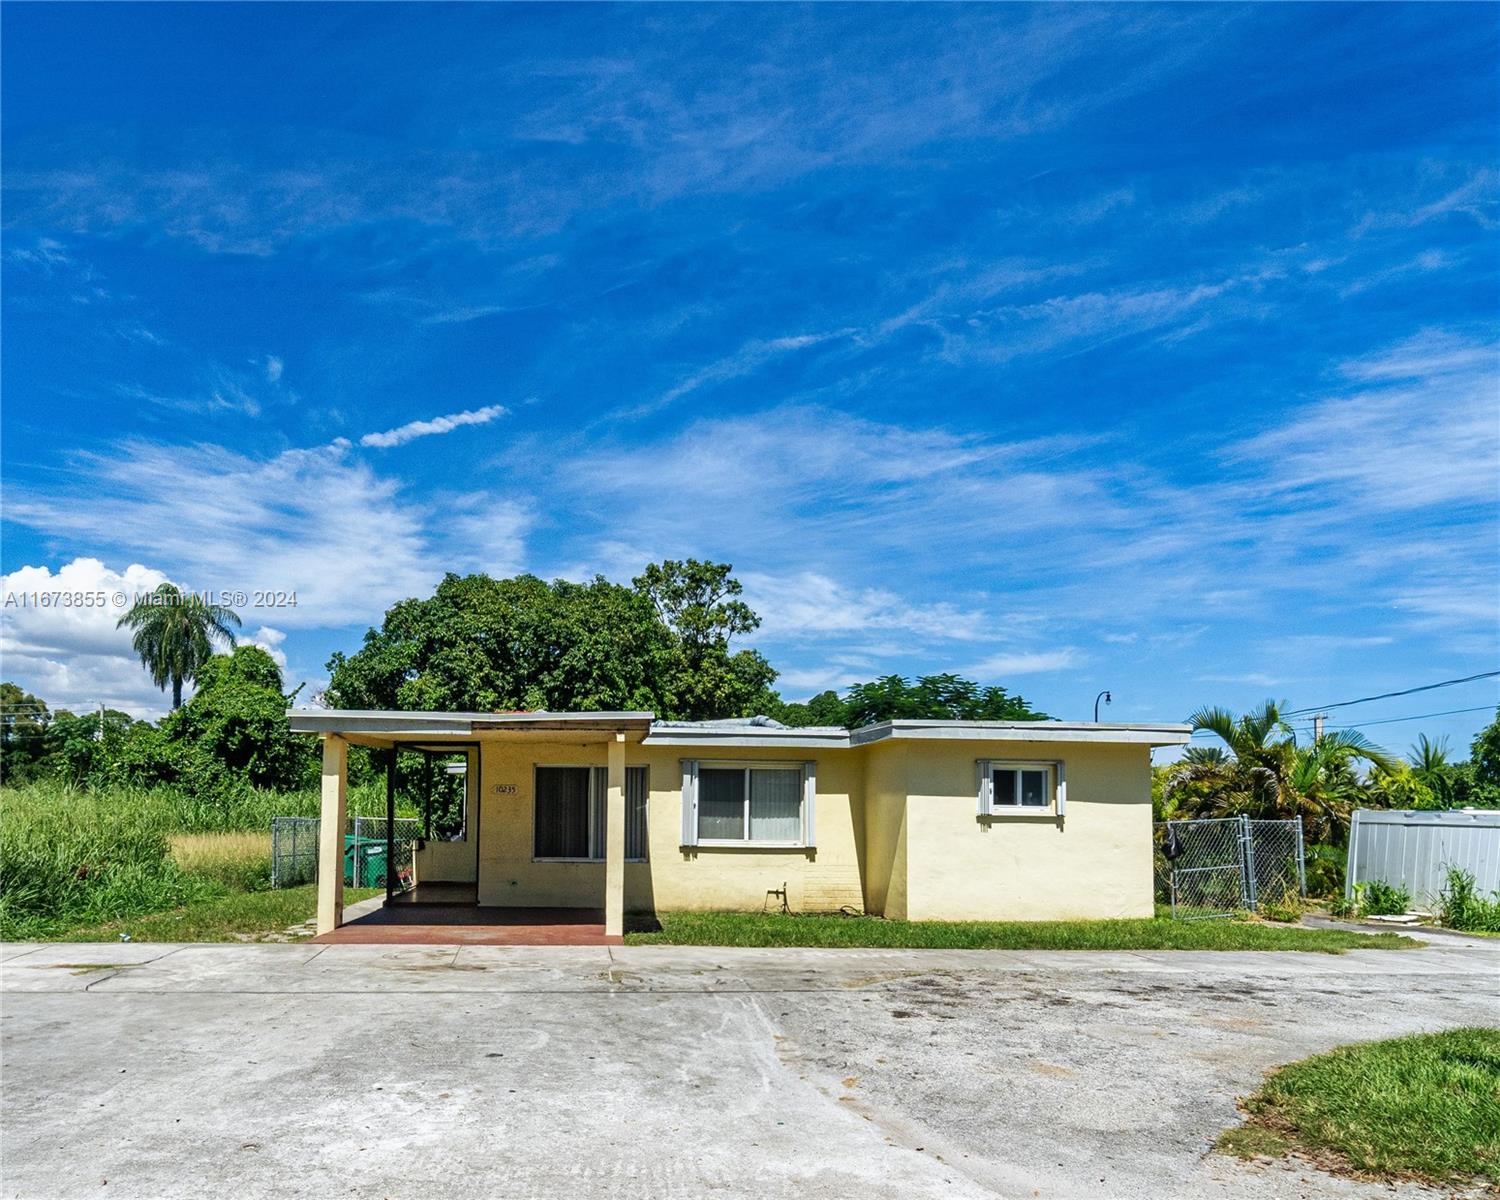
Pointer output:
x,y
1426,687
1419,717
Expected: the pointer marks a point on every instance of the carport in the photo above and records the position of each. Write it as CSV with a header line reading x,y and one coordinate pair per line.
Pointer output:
x,y
447,733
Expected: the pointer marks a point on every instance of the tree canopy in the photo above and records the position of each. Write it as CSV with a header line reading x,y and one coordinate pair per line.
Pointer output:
x,y
1260,770
481,645
894,698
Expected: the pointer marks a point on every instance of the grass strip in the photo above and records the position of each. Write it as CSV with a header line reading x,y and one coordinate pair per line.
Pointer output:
x,y
756,929
1425,1107
237,916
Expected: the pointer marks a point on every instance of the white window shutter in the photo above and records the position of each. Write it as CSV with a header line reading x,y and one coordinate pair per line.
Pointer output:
x,y
809,803
1062,788
690,802
986,787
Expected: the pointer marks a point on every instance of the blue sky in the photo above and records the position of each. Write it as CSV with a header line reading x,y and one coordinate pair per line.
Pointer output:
x,y
1070,347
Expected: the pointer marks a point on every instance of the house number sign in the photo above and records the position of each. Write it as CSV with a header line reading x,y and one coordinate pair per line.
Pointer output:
x,y
505,789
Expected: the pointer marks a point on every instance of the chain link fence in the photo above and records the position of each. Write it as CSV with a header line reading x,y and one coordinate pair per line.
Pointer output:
x,y
294,851
1215,867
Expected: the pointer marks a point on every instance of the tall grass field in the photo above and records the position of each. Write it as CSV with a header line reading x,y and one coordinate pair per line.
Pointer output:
x,y
70,857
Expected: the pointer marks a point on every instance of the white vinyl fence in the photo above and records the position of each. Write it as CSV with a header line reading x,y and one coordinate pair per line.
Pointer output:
x,y
1415,849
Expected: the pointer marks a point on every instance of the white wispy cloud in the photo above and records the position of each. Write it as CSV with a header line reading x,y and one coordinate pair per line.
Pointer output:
x,y
1002,666
74,656
812,606
274,368
746,360
418,429
314,522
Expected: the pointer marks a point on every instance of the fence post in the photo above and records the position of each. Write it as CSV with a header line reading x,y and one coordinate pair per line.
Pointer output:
x,y
1247,859
275,831
1351,858
1301,863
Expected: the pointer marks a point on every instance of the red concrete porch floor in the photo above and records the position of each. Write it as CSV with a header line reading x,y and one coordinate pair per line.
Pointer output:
x,y
470,925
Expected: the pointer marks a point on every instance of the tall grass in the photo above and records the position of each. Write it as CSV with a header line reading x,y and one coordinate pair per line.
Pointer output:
x,y
70,856
240,860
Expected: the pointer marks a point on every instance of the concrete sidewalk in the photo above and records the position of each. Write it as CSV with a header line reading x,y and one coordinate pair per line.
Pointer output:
x,y
423,1072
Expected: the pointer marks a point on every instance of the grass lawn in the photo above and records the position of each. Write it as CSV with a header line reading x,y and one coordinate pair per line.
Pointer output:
x,y
226,918
1425,1107
756,929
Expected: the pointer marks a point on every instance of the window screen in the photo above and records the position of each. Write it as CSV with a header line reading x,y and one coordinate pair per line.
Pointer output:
x,y
562,812
775,806
721,804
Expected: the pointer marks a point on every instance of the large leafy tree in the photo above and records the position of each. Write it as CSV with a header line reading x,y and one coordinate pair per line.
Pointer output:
x,y
236,725
1484,761
699,602
939,697
481,645
893,697
26,736
175,633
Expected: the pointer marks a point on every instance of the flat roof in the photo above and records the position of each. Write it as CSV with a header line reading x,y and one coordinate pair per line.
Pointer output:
x,y
381,727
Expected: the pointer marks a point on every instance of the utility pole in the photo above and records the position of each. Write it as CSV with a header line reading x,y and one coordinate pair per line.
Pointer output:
x,y
100,738
1318,719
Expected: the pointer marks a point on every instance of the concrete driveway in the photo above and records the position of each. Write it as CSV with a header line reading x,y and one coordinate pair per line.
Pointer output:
x,y
425,1072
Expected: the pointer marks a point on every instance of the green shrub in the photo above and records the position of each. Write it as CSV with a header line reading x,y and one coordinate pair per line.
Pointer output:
x,y
1381,899
1325,870
1462,907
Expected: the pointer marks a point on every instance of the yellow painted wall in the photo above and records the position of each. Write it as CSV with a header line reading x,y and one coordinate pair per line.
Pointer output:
x,y
444,862
449,862
897,834
674,878
885,829
1094,862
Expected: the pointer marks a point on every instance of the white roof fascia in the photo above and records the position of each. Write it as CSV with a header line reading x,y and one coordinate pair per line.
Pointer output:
x,y
1025,731
747,736
387,721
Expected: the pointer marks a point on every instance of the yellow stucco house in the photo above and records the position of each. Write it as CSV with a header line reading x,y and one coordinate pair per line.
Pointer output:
x,y
946,820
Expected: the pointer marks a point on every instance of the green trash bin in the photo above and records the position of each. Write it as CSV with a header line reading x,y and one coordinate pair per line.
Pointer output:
x,y
364,862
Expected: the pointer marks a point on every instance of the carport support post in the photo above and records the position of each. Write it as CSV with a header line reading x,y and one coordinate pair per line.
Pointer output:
x,y
331,833
614,841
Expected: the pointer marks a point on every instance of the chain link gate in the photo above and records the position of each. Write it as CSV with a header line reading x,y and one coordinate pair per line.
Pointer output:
x,y
294,851
1218,866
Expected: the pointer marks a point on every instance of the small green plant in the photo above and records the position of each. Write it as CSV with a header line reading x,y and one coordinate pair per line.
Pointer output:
x,y
1347,906
1462,907
1382,899
1286,908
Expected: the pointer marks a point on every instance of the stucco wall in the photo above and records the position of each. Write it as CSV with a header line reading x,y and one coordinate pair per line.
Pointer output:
x,y
729,878
450,862
1094,862
444,862
885,830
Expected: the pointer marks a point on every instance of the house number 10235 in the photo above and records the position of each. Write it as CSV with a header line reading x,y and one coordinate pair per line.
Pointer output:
x,y
505,789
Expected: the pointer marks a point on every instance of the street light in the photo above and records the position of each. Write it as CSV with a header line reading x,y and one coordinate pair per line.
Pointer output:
x,y
1107,698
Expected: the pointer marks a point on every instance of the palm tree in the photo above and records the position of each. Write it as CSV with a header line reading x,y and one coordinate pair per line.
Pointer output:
x,y
1265,774
175,633
1427,756
1325,779
1429,763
